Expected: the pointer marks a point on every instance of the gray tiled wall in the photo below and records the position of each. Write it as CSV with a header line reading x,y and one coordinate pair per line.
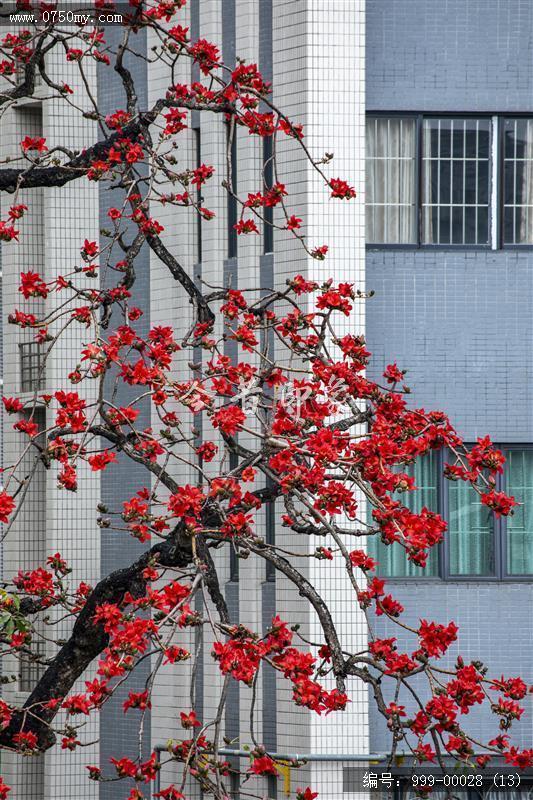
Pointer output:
x,y
452,55
459,321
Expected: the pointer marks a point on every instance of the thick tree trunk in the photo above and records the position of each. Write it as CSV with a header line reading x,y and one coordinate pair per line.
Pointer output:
x,y
88,640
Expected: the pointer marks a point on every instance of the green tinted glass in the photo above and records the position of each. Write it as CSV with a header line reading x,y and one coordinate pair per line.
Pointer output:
x,y
392,558
519,477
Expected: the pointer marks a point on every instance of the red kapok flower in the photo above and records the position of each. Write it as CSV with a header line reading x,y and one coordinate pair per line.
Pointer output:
x,y
341,189
229,420
34,143
263,765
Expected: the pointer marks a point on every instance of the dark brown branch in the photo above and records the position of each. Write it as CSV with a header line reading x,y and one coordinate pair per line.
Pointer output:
x,y
178,273
307,590
88,639
36,177
211,581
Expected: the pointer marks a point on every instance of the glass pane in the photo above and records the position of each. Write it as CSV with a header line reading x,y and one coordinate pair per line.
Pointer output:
x,y
458,138
444,225
444,181
378,179
509,178
445,137
470,532
519,476
471,182
509,137
471,136
483,182
508,225
390,180
483,138
524,225
371,137
458,225
392,559
458,186
482,226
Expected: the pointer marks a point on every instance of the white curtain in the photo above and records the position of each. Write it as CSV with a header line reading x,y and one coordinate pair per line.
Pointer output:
x,y
390,180
524,213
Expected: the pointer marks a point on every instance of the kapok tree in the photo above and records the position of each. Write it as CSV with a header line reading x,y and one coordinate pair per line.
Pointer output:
x,y
317,456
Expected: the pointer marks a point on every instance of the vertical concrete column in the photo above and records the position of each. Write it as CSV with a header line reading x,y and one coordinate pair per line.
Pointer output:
x,y
51,236
319,80
70,216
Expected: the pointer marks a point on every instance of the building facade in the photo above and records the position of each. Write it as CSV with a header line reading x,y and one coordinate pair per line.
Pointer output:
x,y
51,520
449,246
439,96
298,47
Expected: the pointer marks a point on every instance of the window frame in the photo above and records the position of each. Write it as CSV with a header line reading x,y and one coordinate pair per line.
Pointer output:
x,y
501,244
502,521
418,177
501,573
496,540
495,179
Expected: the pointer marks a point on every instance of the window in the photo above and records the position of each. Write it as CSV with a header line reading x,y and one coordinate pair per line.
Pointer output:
x,y
477,544
428,180
518,181
519,527
391,180
470,532
393,559
456,181
31,367
446,180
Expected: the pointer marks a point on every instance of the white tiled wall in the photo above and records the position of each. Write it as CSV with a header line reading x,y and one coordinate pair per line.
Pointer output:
x,y
318,80
51,236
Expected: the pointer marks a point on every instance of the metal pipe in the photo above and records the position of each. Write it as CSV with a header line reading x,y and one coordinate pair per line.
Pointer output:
x,y
226,751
